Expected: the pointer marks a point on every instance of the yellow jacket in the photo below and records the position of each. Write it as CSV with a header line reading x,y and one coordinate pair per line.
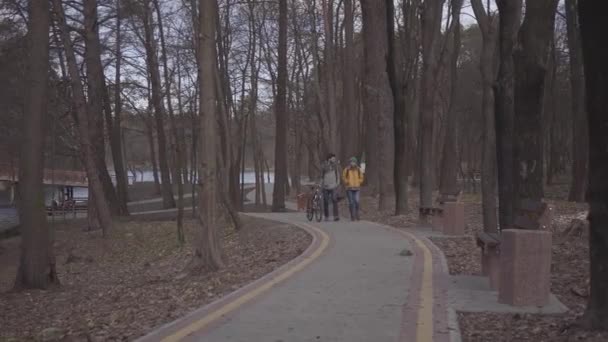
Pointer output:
x,y
352,177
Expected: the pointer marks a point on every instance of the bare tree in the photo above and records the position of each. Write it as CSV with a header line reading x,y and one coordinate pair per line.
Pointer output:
x,y
80,107
114,126
280,108
349,123
510,16
98,103
37,261
378,99
580,132
431,31
595,54
488,24
208,249
530,57
157,102
448,183
396,77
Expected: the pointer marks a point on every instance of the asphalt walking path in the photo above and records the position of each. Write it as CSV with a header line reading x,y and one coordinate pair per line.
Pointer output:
x,y
358,281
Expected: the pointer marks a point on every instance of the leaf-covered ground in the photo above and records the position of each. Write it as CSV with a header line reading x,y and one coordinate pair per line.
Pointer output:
x,y
119,288
570,265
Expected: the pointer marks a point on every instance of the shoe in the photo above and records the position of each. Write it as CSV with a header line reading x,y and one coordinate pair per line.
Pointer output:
x,y
336,219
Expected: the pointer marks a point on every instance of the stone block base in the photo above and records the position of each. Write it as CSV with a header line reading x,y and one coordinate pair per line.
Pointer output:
x,y
490,266
525,267
453,218
437,222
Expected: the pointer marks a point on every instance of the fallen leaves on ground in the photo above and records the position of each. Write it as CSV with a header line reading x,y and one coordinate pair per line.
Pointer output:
x,y
118,288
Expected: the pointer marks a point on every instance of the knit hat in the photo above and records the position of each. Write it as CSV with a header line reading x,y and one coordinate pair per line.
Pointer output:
x,y
353,160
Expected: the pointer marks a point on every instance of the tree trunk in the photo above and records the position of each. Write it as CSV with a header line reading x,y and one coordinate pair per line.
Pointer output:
x,y
80,107
150,135
329,76
510,15
208,249
349,123
488,25
37,261
378,97
431,31
592,15
396,77
97,92
448,183
116,142
177,147
280,107
550,131
530,57
580,133
157,102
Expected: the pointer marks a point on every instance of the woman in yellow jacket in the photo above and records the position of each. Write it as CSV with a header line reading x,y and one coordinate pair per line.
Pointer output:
x,y
352,177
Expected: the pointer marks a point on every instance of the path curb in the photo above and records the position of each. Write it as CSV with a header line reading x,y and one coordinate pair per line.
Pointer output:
x,y
215,312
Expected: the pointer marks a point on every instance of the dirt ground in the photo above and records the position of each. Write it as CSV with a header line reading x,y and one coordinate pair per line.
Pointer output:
x,y
570,271
118,288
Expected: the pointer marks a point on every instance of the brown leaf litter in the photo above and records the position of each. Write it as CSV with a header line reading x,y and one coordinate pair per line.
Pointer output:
x,y
119,288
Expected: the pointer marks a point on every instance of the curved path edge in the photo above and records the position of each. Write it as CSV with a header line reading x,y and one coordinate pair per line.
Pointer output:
x,y
215,312
426,314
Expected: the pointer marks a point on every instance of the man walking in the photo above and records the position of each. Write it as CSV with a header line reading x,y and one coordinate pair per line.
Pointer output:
x,y
330,180
353,178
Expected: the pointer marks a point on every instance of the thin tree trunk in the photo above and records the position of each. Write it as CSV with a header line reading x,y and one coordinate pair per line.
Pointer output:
x,y
510,15
157,102
96,93
550,117
531,56
208,249
580,132
448,183
488,24
116,140
280,169
398,86
37,260
349,123
592,14
431,30
105,217
150,135
178,158
330,83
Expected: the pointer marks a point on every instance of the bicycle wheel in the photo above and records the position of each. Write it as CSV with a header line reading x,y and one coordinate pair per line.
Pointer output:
x,y
309,212
318,211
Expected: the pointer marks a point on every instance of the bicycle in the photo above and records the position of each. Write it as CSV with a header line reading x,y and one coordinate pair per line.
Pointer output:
x,y
314,206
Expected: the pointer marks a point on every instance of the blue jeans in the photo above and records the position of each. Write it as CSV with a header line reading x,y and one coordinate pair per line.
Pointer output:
x,y
330,195
353,203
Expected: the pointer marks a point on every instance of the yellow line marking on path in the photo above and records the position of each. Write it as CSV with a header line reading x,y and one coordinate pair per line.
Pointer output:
x,y
424,323
215,315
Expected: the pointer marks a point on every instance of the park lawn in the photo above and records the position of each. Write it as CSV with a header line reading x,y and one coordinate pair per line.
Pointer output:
x,y
138,278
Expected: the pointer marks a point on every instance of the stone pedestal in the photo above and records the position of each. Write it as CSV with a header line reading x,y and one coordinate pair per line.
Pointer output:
x,y
490,266
437,222
525,267
453,218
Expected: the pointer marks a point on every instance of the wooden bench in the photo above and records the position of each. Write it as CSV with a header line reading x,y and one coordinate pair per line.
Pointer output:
x,y
68,206
530,215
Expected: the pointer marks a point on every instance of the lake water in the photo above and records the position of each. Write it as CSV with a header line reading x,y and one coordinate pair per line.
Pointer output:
x,y
148,176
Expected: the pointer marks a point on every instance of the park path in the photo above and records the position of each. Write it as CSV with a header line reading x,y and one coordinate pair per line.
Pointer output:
x,y
355,283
